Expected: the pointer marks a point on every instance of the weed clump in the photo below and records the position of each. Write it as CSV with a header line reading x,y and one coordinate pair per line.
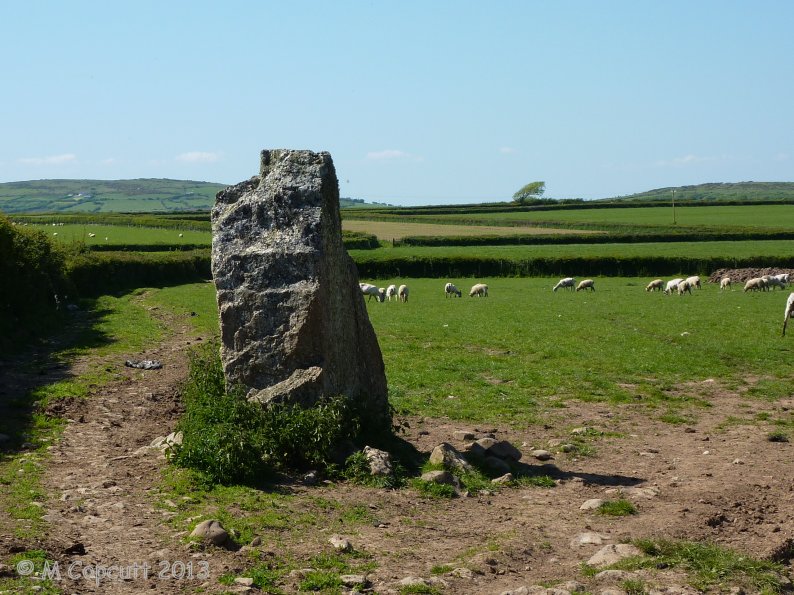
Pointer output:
x,y
230,439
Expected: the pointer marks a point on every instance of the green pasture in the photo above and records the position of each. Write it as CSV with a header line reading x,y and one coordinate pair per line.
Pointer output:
x,y
123,234
521,354
761,216
522,252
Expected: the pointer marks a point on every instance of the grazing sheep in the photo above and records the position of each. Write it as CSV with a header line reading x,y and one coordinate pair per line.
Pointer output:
x,y
672,285
181,235
725,283
55,233
480,290
783,277
391,290
586,284
684,287
568,282
654,285
402,293
91,235
694,281
756,284
451,291
772,281
789,311
372,291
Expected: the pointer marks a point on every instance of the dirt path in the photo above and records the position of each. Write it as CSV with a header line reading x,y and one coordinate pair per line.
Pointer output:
x,y
102,475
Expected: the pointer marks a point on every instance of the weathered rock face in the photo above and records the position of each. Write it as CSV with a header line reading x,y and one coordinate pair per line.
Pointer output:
x,y
294,327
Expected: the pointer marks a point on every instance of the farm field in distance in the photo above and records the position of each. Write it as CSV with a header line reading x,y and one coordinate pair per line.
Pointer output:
x,y
389,230
762,216
123,234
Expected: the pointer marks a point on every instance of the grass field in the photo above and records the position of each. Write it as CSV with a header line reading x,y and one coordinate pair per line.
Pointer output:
x,y
523,352
762,216
395,230
123,234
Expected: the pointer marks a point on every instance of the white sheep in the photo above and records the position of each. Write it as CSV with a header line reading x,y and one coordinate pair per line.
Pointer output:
x,y
391,290
789,311
773,281
654,285
672,285
181,235
586,284
684,287
451,291
402,293
480,290
91,235
784,277
372,291
756,284
725,283
693,281
568,282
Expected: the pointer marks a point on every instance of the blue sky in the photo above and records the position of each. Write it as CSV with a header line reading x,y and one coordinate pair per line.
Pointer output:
x,y
418,102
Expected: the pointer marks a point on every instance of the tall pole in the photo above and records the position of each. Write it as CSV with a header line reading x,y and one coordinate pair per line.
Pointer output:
x,y
674,207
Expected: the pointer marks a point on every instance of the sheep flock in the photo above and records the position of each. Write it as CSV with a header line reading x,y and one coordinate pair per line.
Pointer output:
x,y
678,285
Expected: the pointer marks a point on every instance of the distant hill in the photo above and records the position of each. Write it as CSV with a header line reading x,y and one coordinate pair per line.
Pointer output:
x,y
738,191
149,195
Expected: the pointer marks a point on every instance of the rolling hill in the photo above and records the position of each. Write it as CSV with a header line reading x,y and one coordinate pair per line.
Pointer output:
x,y
737,191
150,195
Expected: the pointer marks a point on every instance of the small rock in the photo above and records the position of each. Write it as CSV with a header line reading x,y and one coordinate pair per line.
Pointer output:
x,y
580,431
439,477
340,543
486,442
463,573
541,455
567,447
311,478
354,580
591,504
503,479
588,538
414,581
613,575
504,450
517,591
448,456
256,541
244,581
211,531
572,587
463,435
157,442
610,554
380,464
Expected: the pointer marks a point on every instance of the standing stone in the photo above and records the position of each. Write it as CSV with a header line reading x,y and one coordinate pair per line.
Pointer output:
x,y
294,327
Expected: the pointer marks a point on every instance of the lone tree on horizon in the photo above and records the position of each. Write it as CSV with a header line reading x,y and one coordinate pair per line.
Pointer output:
x,y
529,191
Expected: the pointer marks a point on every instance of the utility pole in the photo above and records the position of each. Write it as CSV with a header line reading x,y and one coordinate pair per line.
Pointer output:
x,y
674,207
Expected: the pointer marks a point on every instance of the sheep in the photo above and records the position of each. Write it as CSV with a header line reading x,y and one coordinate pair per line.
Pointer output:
x,y
756,284
372,291
773,281
181,235
55,233
725,283
451,291
91,235
391,290
480,290
684,286
694,281
402,293
784,277
568,282
586,284
672,285
789,311
654,285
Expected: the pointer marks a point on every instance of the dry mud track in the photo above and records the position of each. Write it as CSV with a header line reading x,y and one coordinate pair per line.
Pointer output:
x,y
705,481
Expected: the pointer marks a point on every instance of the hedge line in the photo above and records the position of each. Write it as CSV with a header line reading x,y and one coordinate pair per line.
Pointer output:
x,y
690,235
97,273
632,266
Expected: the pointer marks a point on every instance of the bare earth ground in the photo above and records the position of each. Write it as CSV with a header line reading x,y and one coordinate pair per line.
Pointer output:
x,y
722,483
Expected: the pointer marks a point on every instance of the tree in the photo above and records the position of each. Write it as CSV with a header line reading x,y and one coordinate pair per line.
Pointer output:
x,y
530,191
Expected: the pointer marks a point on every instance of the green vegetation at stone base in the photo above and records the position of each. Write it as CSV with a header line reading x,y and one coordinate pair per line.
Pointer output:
x,y
708,566
232,440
